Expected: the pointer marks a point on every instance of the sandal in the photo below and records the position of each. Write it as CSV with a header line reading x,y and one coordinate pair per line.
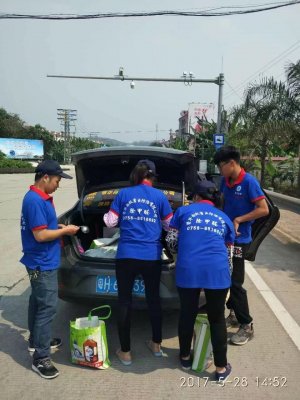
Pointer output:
x,y
124,362
149,344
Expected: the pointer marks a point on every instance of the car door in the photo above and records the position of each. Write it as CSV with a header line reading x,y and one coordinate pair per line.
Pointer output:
x,y
261,227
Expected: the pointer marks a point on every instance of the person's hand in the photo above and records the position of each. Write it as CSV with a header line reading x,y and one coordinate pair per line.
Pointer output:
x,y
236,224
71,229
60,226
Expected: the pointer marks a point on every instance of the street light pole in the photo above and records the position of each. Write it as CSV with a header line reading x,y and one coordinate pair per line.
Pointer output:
x,y
220,102
187,79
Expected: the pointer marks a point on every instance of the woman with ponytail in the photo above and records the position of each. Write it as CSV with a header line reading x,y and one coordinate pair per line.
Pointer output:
x,y
202,233
142,212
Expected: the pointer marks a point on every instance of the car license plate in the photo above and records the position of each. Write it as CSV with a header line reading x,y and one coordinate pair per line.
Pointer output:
x,y
108,284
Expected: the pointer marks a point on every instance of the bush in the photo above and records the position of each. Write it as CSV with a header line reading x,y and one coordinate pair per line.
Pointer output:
x,y
7,165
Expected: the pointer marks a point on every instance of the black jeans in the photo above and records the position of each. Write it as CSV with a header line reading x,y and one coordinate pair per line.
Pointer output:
x,y
215,308
238,300
126,272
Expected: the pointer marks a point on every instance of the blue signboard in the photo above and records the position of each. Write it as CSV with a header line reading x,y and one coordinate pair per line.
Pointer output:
x,y
219,140
25,149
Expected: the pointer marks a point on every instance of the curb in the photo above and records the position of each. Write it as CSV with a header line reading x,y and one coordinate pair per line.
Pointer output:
x,y
288,236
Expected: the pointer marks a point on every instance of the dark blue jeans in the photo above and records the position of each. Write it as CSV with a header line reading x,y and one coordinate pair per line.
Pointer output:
x,y
41,310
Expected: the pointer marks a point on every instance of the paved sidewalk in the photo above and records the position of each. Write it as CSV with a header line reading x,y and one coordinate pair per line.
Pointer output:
x,y
289,225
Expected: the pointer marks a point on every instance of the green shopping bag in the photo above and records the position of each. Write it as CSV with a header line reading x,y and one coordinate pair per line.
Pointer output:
x,y
88,343
202,344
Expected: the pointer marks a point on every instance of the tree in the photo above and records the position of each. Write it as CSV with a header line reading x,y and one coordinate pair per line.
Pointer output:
x,y
266,118
80,144
11,125
293,78
179,144
205,149
156,144
38,132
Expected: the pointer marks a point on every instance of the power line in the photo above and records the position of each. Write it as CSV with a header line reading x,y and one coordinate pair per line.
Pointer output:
x,y
274,61
263,69
238,10
277,76
233,90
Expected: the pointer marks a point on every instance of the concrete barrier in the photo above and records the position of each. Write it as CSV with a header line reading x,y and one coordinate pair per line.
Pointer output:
x,y
284,201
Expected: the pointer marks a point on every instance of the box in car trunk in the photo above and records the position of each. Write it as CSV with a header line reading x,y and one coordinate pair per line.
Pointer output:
x,y
91,211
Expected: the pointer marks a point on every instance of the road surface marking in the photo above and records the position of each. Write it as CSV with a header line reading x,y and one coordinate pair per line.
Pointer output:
x,y
281,313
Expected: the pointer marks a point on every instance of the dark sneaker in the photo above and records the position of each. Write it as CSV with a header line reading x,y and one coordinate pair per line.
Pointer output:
x,y
186,364
222,376
54,344
231,320
45,368
243,335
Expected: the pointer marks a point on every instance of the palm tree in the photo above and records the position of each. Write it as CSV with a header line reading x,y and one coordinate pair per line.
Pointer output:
x,y
265,118
293,79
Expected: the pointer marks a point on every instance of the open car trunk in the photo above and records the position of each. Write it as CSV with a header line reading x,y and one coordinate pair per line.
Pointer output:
x,y
102,173
101,242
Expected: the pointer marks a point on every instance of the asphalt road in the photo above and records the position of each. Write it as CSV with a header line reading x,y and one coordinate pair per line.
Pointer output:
x,y
272,353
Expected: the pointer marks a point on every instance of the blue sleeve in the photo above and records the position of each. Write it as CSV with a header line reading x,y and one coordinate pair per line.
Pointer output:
x,y
175,220
230,234
165,208
116,204
36,215
254,190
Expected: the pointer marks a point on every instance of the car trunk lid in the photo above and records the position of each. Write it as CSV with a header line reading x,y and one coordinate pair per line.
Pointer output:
x,y
110,167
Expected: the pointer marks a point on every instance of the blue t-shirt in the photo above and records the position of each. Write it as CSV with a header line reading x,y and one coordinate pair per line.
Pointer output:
x,y
202,260
38,212
140,209
239,199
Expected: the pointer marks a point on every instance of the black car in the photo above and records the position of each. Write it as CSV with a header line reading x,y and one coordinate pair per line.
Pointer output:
x,y
87,270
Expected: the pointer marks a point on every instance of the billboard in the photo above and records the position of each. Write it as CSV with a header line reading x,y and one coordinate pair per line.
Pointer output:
x,y
199,112
25,149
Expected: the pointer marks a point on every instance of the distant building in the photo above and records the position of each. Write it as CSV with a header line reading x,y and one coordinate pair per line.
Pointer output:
x,y
183,125
190,120
58,136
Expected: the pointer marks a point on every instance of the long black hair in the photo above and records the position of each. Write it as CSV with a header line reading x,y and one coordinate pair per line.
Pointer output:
x,y
139,173
214,195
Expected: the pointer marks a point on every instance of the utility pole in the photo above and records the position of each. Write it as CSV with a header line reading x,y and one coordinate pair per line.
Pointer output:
x,y
67,118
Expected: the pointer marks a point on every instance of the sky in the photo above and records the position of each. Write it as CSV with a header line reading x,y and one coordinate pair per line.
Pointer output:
x,y
245,48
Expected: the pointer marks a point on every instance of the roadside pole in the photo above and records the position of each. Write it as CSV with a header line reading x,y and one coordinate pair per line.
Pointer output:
x,y
220,102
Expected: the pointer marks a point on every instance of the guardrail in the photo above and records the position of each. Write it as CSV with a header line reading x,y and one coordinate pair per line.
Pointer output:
x,y
283,201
